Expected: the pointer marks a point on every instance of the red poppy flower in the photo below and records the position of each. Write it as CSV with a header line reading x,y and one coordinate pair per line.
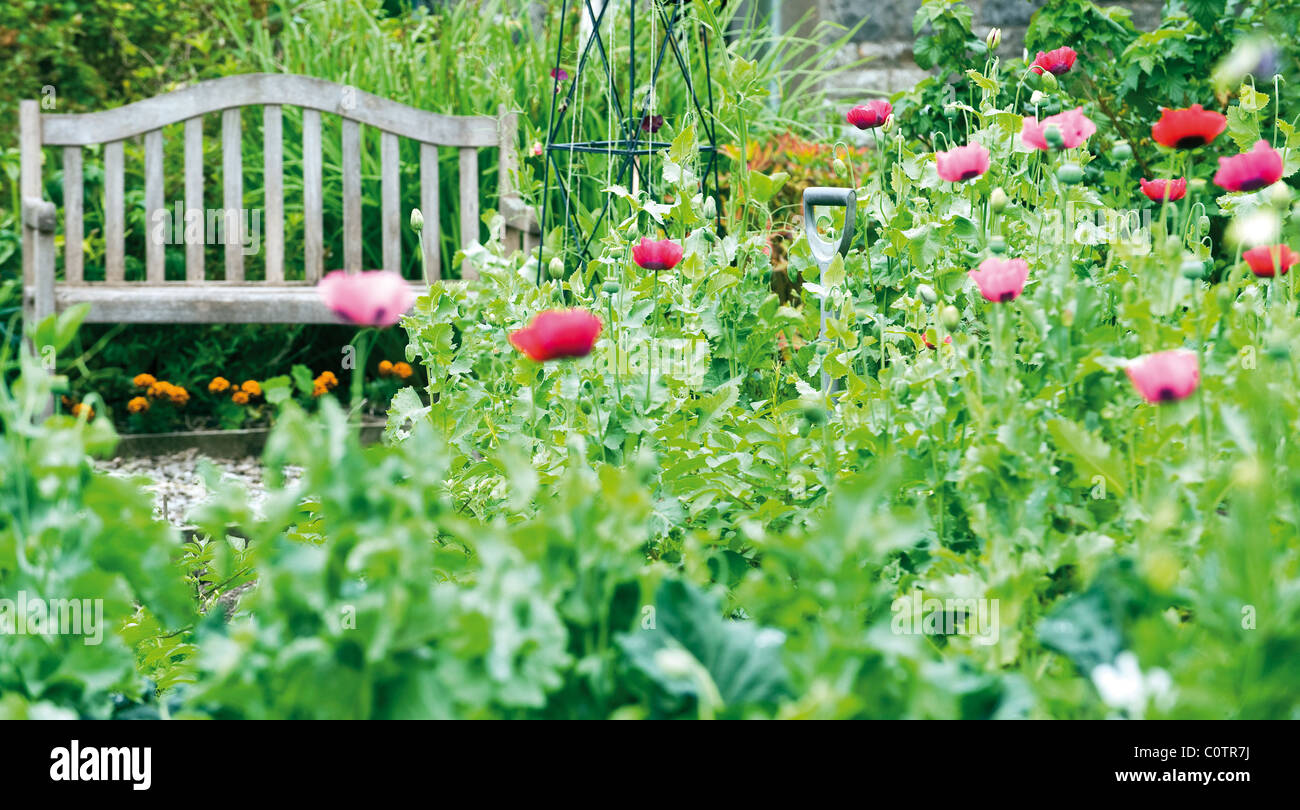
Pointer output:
x,y
1156,189
1165,376
651,123
556,334
1187,128
657,254
1074,126
1250,171
870,115
1001,280
1267,259
963,163
1055,62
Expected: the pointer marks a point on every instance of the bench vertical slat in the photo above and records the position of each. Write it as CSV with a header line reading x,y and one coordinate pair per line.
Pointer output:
x,y
351,196
273,170
74,229
194,237
154,242
429,207
114,234
468,204
313,228
232,178
392,202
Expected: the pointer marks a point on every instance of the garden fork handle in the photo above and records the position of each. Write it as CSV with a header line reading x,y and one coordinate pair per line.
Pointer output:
x,y
822,250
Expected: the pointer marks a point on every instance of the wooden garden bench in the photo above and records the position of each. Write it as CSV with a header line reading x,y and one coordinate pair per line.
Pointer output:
x,y
236,299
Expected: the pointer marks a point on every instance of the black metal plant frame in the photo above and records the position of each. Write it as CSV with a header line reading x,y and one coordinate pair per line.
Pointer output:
x,y
629,146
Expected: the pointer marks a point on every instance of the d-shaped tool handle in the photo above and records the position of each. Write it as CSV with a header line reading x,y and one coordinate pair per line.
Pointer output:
x,y
822,250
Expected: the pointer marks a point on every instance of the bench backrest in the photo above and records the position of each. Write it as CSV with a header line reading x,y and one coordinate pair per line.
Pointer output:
x,y
227,96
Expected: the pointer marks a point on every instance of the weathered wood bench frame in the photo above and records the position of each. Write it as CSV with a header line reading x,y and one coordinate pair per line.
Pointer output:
x,y
235,300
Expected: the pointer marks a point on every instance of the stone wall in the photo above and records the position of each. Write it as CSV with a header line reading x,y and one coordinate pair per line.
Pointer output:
x,y
886,33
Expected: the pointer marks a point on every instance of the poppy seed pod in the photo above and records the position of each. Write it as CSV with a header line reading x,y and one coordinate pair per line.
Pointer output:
x,y
1070,174
1052,134
1121,152
997,245
1192,268
950,111
950,317
610,287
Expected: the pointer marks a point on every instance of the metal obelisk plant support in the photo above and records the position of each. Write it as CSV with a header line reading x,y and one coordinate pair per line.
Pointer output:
x,y
632,141
823,252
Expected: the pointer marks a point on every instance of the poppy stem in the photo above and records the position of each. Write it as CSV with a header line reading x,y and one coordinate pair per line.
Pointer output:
x,y
363,342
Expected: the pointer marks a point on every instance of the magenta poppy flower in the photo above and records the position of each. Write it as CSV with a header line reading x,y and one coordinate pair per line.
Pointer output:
x,y
1001,280
1265,260
1157,189
870,115
1055,62
560,74
657,254
557,334
963,163
652,123
1165,376
1187,128
1075,128
1250,171
373,298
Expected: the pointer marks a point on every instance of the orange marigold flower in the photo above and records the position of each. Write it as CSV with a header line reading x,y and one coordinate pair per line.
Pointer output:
x,y
143,380
319,389
252,388
385,368
219,385
80,408
178,395
137,405
326,379
403,370
239,397
161,388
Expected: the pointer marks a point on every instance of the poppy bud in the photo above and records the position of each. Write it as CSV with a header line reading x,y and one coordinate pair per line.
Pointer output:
x,y
585,405
814,414
927,293
1121,152
1279,194
1196,185
998,200
556,268
1070,174
950,317
889,124
994,39
710,208
1048,80
417,220
1052,134
1203,224
841,170
633,233
1036,97
997,245
1192,268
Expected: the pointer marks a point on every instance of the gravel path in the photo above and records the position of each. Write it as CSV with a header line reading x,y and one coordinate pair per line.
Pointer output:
x,y
177,487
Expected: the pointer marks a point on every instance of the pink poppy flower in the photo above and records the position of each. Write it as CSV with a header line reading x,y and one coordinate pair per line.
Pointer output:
x,y
1156,189
1001,280
1250,171
560,74
870,115
557,334
1267,259
1056,62
1165,376
657,254
1075,128
373,298
963,163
